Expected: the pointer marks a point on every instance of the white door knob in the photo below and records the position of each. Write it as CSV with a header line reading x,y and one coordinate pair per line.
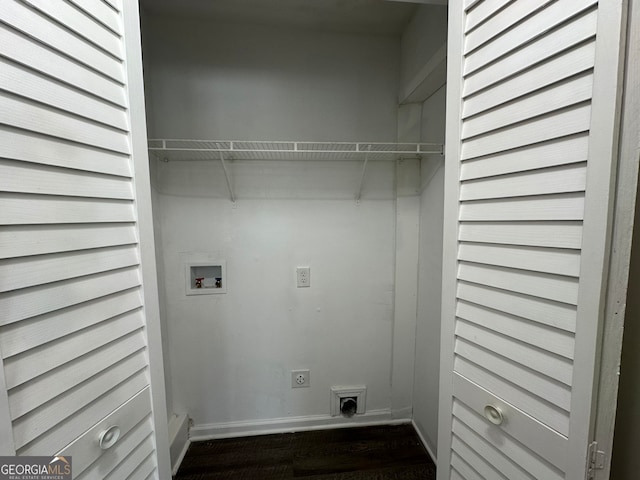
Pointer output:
x,y
493,414
109,437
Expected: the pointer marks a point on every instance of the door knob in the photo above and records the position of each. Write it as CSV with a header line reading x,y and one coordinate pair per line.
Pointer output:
x,y
494,414
109,437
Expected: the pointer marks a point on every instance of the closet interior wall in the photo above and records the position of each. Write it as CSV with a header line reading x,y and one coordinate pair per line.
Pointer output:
x,y
427,373
229,356
422,45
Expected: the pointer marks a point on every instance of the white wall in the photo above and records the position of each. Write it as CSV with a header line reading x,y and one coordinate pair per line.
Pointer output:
x,y
423,38
230,81
157,232
424,35
413,354
406,275
230,355
425,393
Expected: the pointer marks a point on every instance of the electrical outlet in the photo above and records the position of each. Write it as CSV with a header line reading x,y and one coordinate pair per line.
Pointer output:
x,y
304,276
300,378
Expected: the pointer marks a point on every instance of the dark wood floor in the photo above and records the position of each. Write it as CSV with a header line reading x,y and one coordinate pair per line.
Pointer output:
x,y
361,453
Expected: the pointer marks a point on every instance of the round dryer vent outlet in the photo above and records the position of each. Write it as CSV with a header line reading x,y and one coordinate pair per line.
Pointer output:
x,y
348,406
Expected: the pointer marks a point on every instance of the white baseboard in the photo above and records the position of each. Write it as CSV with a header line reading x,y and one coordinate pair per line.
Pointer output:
x,y
424,442
403,414
291,424
178,440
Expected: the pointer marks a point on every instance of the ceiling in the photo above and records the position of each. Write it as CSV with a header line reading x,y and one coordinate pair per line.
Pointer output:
x,y
360,16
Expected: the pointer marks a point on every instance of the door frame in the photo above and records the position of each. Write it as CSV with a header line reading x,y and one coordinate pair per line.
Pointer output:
x,y
621,242
453,131
146,243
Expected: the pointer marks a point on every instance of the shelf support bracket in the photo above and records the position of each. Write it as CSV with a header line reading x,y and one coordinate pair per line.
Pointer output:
x,y
226,175
364,171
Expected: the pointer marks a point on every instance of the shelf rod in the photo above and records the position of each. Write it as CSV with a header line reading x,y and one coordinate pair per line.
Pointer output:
x,y
226,176
364,170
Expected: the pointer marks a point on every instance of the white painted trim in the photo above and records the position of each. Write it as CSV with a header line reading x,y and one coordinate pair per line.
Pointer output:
x,y
450,232
598,218
7,446
138,139
176,465
402,413
179,440
623,226
290,424
424,442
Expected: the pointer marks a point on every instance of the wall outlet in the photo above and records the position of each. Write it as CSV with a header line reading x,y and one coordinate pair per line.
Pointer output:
x,y
300,378
304,276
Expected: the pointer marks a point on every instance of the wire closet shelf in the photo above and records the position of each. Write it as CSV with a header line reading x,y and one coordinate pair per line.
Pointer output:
x,y
190,150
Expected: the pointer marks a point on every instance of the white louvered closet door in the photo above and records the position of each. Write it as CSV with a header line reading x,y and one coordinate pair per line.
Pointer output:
x,y
531,117
73,328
